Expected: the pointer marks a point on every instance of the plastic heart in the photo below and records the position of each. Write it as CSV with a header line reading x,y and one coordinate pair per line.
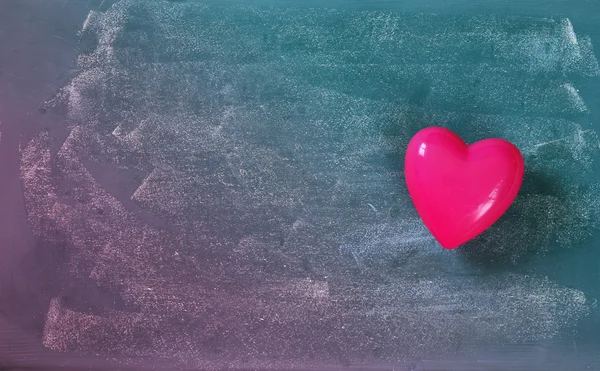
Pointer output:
x,y
460,190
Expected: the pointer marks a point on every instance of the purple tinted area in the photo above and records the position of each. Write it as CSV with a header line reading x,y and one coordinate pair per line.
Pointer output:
x,y
336,281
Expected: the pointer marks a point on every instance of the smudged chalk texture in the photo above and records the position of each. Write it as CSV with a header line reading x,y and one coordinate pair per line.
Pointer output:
x,y
268,143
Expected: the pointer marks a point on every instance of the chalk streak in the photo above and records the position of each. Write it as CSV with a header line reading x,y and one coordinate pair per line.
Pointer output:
x,y
577,135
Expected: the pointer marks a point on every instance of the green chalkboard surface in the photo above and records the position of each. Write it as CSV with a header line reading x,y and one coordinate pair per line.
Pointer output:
x,y
220,184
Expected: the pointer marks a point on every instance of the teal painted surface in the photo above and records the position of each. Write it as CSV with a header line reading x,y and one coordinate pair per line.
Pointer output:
x,y
270,135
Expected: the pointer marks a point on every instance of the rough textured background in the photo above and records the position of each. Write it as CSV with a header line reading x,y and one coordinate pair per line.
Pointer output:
x,y
223,185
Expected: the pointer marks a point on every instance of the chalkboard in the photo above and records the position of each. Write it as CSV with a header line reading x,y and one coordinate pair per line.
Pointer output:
x,y
220,184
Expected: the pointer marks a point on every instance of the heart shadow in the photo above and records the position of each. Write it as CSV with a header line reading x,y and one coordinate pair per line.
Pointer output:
x,y
529,228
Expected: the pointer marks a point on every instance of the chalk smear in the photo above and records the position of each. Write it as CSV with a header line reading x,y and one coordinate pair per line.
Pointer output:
x,y
270,142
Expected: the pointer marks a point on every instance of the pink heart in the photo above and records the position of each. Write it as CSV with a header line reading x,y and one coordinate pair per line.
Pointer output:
x,y
460,190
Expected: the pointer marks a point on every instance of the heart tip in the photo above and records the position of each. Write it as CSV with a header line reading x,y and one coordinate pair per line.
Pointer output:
x,y
450,246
